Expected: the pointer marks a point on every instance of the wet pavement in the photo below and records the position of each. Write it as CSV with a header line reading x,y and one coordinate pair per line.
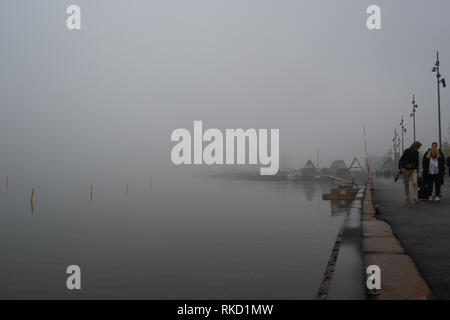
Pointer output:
x,y
423,231
348,281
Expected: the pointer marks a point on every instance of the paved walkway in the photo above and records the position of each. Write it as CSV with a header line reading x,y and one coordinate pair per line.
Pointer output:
x,y
423,231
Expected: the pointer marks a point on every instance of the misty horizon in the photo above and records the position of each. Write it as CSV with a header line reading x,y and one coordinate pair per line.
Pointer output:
x,y
135,72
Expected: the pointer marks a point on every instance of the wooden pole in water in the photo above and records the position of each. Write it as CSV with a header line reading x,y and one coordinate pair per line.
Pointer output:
x,y
6,184
127,187
150,184
92,191
31,201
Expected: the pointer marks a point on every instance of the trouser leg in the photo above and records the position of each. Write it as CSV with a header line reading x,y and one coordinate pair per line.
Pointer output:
x,y
414,183
437,184
406,175
430,183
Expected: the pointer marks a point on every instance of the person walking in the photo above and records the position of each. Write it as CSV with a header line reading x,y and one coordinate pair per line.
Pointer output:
x,y
408,166
433,171
434,145
448,165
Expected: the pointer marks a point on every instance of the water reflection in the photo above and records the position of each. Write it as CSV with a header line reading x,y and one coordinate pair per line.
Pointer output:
x,y
315,190
309,190
340,207
208,235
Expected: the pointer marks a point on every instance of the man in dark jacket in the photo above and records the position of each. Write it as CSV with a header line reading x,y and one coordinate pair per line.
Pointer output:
x,y
408,166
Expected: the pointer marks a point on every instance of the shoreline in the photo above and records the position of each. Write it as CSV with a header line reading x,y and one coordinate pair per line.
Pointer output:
x,y
366,240
343,279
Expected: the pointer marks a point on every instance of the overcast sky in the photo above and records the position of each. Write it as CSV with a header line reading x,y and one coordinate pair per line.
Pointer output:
x,y
110,95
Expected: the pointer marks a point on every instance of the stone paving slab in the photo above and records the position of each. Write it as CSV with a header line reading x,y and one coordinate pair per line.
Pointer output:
x,y
376,228
400,279
381,245
423,229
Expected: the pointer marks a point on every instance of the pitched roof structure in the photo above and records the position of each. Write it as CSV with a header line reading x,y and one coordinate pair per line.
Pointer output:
x,y
309,165
338,164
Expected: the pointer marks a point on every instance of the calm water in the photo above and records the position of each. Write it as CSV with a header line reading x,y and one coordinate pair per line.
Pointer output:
x,y
189,238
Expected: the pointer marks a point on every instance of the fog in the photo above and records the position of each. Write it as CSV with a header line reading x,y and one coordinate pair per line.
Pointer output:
x,y
86,118
105,99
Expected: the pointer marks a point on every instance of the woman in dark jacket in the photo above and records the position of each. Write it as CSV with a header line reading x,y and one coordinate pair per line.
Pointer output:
x,y
434,170
448,165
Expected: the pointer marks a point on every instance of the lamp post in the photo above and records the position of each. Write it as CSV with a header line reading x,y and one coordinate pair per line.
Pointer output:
x,y
413,115
439,81
402,124
395,141
396,145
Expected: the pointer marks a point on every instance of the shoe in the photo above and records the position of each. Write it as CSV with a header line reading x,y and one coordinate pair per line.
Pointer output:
x,y
430,198
437,199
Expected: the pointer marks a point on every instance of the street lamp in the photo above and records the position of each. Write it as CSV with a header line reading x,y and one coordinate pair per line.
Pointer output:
x,y
413,115
395,141
402,124
396,145
439,81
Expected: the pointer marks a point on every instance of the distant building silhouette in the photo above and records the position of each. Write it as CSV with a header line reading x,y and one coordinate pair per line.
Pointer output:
x,y
309,165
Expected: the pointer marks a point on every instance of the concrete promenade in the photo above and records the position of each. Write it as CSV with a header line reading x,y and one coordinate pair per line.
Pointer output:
x,y
423,234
